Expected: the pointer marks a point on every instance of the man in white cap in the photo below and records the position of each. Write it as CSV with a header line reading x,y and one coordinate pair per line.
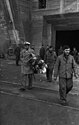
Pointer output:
x,y
26,70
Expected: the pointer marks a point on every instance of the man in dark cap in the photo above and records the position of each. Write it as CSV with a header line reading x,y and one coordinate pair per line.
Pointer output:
x,y
64,67
42,52
60,51
50,59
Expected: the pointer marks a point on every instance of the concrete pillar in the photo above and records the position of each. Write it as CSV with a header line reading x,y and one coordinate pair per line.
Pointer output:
x,y
61,6
44,32
49,32
77,5
53,37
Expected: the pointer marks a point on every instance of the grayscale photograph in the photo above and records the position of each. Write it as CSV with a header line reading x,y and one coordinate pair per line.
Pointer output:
x,y
39,62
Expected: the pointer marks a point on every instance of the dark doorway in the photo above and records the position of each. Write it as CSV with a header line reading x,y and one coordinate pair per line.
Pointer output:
x,y
70,38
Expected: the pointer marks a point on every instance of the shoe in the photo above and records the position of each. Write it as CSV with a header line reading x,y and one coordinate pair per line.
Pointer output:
x,y
17,65
29,88
49,80
22,89
63,102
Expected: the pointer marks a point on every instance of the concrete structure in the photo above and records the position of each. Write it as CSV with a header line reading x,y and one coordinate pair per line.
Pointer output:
x,y
4,33
14,19
56,23
59,15
21,13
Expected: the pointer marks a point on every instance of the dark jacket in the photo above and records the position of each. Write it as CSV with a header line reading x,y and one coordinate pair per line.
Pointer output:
x,y
42,52
50,59
65,68
17,51
60,51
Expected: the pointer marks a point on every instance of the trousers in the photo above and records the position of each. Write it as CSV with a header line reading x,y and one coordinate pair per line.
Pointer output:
x,y
49,72
27,78
65,86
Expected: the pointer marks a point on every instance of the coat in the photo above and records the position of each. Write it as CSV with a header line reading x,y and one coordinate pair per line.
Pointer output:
x,y
17,51
65,68
60,51
25,57
50,59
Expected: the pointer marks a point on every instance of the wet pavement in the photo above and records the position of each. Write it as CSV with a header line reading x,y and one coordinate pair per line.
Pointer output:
x,y
36,107
11,73
39,106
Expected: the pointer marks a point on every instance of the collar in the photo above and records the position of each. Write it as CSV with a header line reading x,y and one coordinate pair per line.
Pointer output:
x,y
65,58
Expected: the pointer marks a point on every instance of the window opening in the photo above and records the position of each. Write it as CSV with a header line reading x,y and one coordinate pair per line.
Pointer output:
x,y
42,4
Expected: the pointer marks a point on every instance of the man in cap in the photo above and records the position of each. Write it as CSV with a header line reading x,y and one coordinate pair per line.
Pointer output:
x,y
50,59
64,67
26,69
42,52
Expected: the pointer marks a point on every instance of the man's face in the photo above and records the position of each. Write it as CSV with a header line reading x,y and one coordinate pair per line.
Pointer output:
x,y
26,46
74,49
50,49
67,51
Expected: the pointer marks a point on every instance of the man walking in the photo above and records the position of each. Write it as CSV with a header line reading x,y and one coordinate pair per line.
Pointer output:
x,y
64,67
17,54
26,69
42,52
50,59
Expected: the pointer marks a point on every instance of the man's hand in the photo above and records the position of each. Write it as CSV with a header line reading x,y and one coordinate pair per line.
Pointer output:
x,y
55,78
46,65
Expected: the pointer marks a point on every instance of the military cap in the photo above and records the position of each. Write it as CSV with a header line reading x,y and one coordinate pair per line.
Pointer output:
x,y
26,43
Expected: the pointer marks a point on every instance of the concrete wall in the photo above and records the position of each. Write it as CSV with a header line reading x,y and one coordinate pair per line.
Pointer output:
x,y
22,17
4,36
51,4
21,11
37,27
33,24
42,29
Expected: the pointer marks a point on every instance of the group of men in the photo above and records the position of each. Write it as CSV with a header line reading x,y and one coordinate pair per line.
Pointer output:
x,y
63,66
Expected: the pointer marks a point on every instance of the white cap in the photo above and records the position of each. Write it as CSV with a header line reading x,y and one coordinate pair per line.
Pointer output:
x,y
26,43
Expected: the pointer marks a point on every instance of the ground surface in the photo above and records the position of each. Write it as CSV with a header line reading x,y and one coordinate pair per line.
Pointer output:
x,y
39,106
